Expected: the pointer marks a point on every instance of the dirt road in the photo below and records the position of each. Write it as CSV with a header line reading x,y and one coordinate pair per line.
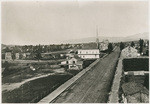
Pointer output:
x,y
13,86
95,85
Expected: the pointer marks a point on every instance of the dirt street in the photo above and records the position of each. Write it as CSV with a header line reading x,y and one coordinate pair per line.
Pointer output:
x,y
95,85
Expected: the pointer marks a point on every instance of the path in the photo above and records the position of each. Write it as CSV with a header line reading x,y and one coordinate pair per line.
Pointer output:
x,y
13,86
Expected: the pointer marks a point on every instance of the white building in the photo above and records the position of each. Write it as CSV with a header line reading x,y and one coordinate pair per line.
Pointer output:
x,y
129,52
8,56
104,45
89,53
17,56
73,63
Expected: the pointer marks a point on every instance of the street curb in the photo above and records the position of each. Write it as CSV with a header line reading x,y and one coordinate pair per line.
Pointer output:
x,y
49,98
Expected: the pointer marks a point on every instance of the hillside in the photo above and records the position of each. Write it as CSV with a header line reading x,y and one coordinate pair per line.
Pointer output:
x,y
111,39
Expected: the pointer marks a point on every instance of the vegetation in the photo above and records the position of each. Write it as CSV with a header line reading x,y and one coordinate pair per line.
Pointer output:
x,y
13,56
18,71
34,90
141,41
110,48
122,46
132,44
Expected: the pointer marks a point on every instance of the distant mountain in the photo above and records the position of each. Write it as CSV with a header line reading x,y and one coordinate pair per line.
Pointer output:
x,y
111,39
137,37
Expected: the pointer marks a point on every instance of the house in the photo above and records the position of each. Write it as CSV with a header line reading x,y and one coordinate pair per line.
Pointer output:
x,y
74,63
17,56
89,53
8,56
135,93
47,56
129,52
104,45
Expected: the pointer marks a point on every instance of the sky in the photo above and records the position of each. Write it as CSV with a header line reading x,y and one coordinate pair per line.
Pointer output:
x,y
51,22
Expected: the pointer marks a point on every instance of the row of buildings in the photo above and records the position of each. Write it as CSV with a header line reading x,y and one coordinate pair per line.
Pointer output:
x,y
88,50
135,79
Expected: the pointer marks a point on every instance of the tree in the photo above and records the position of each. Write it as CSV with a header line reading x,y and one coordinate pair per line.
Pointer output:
x,y
110,47
6,71
121,46
132,44
13,56
38,56
147,52
141,41
38,53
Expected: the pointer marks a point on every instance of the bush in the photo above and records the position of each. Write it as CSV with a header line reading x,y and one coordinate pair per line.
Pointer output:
x,y
12,70
86,63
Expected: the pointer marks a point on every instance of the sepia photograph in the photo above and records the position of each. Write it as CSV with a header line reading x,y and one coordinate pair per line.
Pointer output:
x,y
94,51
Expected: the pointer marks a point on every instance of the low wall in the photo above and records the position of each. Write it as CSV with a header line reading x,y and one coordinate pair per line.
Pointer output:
x,y
114,94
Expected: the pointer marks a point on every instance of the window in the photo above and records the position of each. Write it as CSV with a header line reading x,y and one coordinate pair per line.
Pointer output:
x,y
67,62
73,62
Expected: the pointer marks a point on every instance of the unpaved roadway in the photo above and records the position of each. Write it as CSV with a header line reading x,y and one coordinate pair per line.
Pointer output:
x,y
12,86
95,85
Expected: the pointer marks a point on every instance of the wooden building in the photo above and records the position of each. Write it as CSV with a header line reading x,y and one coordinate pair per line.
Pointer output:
x,y
89,53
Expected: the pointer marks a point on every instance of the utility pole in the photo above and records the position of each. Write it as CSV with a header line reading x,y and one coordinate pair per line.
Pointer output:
x,y
97,39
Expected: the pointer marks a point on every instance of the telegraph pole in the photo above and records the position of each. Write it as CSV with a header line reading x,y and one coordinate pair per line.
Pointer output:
x,y
97,39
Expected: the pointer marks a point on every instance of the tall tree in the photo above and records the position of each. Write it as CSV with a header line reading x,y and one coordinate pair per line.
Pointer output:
x,y
6,71
141,41
110,47
13,56
38,53
132,44
121,46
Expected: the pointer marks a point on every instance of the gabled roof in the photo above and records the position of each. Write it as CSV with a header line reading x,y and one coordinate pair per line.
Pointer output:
x,y
131,88
76,57
129,47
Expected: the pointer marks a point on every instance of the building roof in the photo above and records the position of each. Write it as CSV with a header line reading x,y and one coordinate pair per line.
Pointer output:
x,y
131,88
129,47
89,49
77,57
90,46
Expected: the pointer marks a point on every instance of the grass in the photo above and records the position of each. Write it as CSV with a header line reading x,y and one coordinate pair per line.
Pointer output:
x,y
33,89
18,71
